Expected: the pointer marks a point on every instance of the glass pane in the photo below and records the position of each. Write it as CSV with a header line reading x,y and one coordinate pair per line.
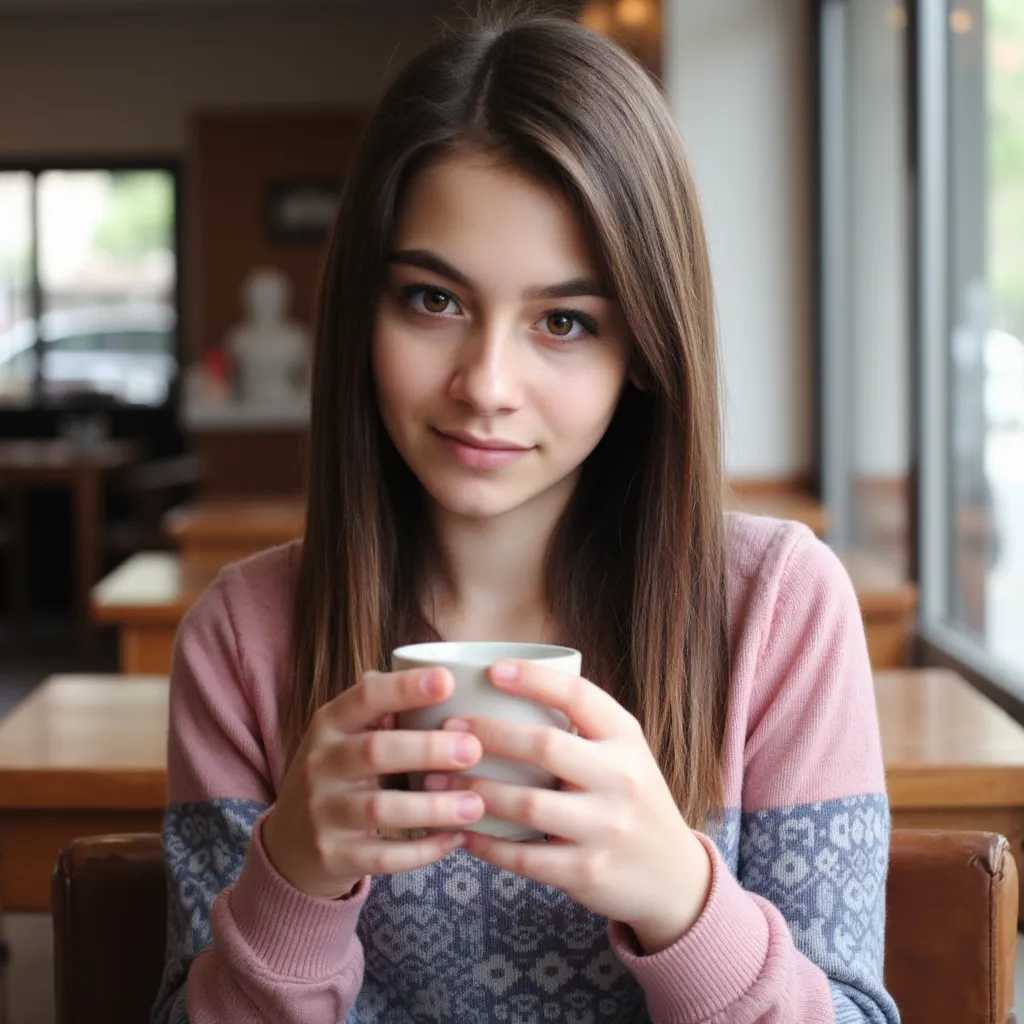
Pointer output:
x,y
987,350
17,328
107,272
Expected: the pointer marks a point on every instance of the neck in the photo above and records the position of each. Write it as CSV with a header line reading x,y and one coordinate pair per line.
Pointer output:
x,y
494,572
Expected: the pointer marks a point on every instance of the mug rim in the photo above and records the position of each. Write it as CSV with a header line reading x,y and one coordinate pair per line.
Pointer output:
x,y
481,652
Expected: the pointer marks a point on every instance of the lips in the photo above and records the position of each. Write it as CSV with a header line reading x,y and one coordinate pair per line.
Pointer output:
x,y
494,444
480,453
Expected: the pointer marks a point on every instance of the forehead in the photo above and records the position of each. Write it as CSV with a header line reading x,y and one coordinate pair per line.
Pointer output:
x,y
497,224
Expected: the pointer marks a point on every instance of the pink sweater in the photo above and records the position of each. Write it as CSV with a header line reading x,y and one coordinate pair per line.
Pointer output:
x,y
792,932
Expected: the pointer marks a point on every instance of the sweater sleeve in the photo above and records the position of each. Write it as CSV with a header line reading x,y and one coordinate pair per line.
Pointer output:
x,y
798,935
242,944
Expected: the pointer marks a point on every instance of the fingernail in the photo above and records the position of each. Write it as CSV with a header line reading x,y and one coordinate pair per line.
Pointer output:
x,y
504,670
465,750
435,782
432,683
468,807
456,725
455,839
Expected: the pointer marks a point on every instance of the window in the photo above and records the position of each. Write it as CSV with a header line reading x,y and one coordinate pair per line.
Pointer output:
x,y
971,298
88,284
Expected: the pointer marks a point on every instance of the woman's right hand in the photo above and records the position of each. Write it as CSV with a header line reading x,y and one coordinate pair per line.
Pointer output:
x,y
321,834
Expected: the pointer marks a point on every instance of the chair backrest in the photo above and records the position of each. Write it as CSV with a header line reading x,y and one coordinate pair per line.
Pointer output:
x,y
951,932
109,922
950,943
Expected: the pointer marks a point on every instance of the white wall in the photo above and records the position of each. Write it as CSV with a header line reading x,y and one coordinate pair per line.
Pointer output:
x,y
737,76
124,82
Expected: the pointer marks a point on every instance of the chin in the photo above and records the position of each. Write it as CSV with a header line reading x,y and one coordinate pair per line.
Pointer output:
x,y
476,506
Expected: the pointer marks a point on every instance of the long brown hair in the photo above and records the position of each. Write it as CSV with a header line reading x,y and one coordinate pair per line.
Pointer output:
x,y
636,568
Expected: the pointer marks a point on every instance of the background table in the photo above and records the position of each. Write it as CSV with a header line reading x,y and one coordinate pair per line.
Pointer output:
x,y
953,759
212,533
82,755
145,598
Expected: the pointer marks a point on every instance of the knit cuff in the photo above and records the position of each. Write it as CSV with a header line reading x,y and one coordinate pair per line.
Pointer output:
x,y
290,933
713,965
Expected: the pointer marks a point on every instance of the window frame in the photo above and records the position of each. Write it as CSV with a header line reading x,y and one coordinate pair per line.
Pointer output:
x,y
37,165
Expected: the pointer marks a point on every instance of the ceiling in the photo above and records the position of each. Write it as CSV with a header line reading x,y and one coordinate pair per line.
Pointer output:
x,y
102,6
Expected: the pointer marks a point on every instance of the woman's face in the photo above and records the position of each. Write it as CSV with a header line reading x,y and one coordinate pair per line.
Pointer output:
x,y
498,357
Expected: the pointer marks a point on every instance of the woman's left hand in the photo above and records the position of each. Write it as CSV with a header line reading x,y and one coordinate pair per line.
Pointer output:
x,y
619,845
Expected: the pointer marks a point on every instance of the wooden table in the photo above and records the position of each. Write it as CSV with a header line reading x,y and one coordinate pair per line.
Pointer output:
x,y
888,603
953,759
146,597
25,464
82,755
213,533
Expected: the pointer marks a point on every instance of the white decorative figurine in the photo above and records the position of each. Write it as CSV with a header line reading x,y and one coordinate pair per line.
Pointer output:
x,y
269,353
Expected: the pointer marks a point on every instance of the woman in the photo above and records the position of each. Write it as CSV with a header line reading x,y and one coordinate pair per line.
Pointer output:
x,y
515,436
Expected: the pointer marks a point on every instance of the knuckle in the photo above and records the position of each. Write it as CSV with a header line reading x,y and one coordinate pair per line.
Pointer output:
x,y
364,697
529,807
372,748
519,864
310,770
375,808
619,823
591,869
579,691
378,861
545,742
632,784
323,849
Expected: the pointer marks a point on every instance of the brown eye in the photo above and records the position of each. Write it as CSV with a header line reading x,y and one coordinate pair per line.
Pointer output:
x,y
435,302
560,325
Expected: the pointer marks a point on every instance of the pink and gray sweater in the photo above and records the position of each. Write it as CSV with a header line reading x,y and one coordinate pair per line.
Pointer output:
x,y
792,932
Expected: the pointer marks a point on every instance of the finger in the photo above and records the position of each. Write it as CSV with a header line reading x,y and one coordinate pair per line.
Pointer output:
x,y
559,865
392,856
390,752
552,812
395,809
382,693
596,714
570,758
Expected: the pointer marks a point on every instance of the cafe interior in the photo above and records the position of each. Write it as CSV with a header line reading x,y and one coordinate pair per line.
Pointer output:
x,y
169,173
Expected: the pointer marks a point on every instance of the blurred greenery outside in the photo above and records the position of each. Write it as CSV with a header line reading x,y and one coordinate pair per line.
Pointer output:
x,y
1005,85
138,218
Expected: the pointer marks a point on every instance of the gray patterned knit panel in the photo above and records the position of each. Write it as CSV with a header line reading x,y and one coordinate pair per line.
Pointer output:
x,y
463,941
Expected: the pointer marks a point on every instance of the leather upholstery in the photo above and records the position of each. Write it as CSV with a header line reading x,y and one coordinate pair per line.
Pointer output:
x,y
951,932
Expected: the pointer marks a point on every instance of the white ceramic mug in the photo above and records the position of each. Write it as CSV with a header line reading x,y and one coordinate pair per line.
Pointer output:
x,y
476,696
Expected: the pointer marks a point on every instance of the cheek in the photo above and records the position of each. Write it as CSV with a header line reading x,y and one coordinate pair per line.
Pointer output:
x,y
401,378
581,410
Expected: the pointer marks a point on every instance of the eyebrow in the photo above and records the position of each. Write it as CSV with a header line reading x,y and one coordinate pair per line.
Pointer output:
x,y
577,287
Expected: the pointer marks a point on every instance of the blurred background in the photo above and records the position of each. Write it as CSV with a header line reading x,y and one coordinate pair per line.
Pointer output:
x,y
169,170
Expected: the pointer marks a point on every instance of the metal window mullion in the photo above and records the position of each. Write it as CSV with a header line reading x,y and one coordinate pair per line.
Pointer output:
x,y
37,288
934,408
837,380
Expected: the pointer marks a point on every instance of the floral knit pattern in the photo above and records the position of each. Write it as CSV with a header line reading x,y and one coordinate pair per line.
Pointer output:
x,y
824,866
204,849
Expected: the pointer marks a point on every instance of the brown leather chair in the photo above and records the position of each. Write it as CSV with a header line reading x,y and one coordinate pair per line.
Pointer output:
x,y
950,944
951,931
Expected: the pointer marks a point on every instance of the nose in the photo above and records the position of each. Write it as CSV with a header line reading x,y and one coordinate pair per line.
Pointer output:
x,y
487,374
